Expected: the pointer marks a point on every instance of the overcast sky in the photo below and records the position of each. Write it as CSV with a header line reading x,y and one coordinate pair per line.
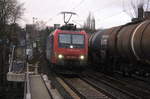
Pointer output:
x,y
107,13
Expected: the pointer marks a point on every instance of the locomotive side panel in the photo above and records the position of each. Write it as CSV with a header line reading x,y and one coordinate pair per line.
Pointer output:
x,y
49,49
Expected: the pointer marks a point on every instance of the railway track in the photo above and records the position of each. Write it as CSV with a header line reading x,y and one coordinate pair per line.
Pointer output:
x,y
76,88
145,79
118,88
92,84
84,89
142,84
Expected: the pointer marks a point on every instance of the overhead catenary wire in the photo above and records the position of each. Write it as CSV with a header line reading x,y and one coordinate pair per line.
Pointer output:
x,y
51,18
78,5
82,1
123,5
105,6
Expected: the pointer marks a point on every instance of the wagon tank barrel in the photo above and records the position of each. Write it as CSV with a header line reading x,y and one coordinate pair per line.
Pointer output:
x,y
131,41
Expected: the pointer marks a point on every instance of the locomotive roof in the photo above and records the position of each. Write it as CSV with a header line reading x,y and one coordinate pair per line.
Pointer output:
x,y
68,31
57,31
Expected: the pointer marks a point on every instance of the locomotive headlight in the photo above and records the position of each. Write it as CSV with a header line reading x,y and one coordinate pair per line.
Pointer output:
x,y
60,56
71,46
82,57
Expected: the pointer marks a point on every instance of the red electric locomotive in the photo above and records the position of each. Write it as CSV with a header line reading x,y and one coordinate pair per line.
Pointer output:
x,y
67,48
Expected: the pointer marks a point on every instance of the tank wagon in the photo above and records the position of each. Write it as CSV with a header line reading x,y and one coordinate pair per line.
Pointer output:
x,y
124,48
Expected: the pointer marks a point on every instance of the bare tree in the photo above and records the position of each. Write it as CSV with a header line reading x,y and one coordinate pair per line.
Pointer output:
x,y
131,7
10,12
17,13
40,25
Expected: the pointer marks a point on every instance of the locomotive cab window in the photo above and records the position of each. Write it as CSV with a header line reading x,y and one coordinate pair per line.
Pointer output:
x,y
67,40
78,39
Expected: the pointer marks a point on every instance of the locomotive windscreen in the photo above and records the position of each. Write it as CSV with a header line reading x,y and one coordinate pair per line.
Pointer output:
x,y
76,40
65,38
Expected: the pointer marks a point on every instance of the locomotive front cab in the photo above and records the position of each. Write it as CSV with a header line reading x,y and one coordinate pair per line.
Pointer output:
x,y
71,48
